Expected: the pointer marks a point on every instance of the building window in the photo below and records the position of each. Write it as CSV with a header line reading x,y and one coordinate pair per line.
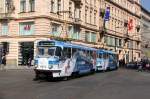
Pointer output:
x,y
58,5
4,28
32,5
56,29
91,16
95,18
87,36
120,43
111,41
94,2
23,6
70,9
70,31
26,28
52,6
85,15
93,37
108,40
76,33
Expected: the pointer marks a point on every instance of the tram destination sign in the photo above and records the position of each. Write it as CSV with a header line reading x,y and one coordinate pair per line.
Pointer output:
x,y
46,43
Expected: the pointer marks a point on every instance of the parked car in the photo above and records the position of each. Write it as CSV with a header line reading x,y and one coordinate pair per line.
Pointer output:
x,y
132,65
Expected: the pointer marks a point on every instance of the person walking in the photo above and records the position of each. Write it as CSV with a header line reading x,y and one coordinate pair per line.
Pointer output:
x,y
3,62
0,62
140,65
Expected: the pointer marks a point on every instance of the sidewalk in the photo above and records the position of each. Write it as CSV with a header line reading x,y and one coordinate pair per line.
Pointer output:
x,y
7,67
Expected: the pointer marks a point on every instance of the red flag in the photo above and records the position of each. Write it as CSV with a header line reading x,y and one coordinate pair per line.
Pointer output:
x,y
130,24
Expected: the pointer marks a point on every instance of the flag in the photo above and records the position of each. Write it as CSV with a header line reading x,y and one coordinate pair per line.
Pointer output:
x,y
130,24
107,14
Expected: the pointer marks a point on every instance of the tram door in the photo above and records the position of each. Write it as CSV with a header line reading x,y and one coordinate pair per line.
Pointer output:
x,y
26,52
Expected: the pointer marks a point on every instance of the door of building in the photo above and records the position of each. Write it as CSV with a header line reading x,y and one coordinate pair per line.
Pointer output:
x,y
26,53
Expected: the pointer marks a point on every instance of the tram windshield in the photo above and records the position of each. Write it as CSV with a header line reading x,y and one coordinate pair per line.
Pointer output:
x,y
49,51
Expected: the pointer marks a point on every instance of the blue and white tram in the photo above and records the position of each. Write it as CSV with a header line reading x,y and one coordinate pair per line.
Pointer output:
x,y
113,60
61,59
106,60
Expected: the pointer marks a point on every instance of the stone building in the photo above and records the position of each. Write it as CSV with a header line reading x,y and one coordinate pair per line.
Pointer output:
x,y
122,32
145,31
22,22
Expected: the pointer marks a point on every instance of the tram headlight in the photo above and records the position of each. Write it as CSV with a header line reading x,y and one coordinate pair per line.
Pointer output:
x,y
35,66
36,63
50,66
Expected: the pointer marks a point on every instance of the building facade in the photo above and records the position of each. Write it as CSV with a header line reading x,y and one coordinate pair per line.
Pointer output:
x,y
22,22
122,33
145,31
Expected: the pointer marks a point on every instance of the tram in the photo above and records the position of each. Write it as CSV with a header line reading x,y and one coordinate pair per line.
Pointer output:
x,y
63,59
106,60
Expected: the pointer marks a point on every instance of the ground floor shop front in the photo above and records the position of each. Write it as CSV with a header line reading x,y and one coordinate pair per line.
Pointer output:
x,y
20,51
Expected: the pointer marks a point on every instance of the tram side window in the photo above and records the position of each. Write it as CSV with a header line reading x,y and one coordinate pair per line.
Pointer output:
x,y
51,51
74,50
92,54
58,51
106,56
88,53
67,52
100,55
41,51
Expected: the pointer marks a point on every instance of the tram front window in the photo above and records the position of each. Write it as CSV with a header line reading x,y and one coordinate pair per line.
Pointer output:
x,y
41,51
49,51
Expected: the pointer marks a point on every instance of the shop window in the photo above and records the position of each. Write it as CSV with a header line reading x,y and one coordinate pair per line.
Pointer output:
x,y
56,29
93,37
87,36
26,28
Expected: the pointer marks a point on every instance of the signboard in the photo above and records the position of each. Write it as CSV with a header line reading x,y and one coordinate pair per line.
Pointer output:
x,y
46,43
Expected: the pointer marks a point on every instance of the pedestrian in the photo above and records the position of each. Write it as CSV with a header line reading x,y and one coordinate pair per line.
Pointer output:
x,y
123,62
3,62
0,62
140,66
29,62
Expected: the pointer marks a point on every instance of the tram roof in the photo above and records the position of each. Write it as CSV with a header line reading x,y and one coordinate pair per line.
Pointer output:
x,y
68,44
